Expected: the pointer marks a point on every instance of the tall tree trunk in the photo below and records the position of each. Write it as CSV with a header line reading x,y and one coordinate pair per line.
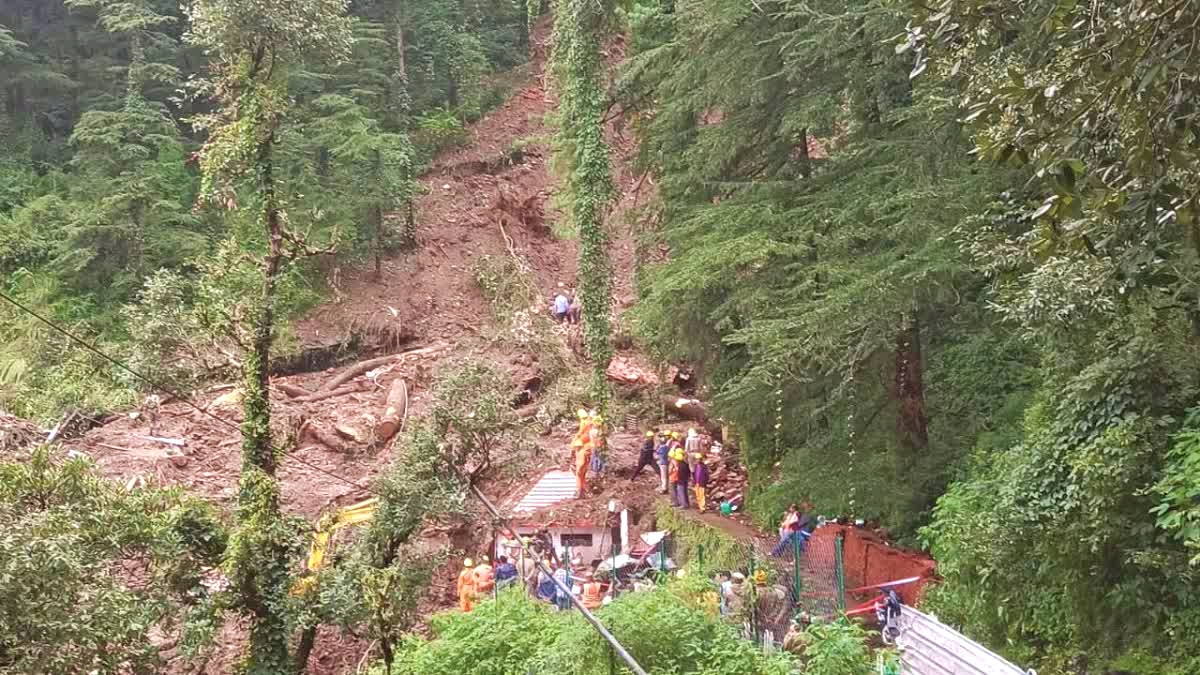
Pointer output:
x,y
261,548
911,421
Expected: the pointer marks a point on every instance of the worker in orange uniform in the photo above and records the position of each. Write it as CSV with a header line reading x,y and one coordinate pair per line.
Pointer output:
x,y
583,461
593,594
485,577
466,586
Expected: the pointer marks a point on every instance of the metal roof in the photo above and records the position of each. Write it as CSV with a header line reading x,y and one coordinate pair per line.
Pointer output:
x,y
554,487
929,647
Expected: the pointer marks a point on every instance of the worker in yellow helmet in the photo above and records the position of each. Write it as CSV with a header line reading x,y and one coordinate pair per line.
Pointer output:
x,y
679,474
645,456
699,479
466,586
583,459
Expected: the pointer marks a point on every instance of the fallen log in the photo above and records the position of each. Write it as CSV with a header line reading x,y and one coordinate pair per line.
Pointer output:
x,y
687,408
292,390
322,436
362,367
321,396
394,412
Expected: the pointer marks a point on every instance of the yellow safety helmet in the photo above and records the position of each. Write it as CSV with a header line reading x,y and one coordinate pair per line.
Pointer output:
x,y
698,455
582,413
650,434
676,435
760,577
468,563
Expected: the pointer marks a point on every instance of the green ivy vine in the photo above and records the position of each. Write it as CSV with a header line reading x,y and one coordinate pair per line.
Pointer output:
x,y
582,155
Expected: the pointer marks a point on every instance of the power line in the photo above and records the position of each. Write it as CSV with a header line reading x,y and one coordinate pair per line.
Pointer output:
x,y
608,637
157,385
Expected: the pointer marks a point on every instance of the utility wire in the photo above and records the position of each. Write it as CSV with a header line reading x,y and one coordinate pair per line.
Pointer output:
x,y
591,618
157,385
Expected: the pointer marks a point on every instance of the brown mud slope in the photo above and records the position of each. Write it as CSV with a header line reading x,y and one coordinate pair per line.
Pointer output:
x,y
489,197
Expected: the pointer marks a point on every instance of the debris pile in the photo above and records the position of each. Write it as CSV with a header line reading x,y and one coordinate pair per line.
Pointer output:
x,y
728,480
16,433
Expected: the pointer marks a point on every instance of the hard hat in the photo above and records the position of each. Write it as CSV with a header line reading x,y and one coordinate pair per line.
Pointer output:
x,y
468,563
597,419
698,455
691,432
676,435
525,540
649,434
760,577
582,413
483,559
738,576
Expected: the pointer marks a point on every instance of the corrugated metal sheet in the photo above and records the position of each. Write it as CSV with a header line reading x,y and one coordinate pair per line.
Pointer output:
x,y
929,647
554,487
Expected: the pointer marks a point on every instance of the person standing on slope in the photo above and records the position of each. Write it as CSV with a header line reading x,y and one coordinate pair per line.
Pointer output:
x,y
645,456
466,586
485,577
700,479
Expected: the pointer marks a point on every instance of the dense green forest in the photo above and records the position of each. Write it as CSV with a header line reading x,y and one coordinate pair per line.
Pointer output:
x,y
938,264
105,110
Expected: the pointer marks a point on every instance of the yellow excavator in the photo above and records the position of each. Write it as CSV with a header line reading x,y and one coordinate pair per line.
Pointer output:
x,y
327,527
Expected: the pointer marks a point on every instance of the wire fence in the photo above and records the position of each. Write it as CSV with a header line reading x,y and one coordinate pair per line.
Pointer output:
x,y
769,587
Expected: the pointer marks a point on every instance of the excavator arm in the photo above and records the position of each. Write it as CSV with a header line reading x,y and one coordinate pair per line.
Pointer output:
x,y
327,527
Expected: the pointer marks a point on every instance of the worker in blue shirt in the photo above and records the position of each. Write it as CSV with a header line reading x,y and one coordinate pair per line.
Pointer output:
x,y
561,305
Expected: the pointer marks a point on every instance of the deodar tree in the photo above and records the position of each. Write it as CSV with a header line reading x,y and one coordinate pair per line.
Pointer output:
x,y
252,46
582,155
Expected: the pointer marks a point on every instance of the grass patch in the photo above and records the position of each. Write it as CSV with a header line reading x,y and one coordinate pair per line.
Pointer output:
x,y
693,540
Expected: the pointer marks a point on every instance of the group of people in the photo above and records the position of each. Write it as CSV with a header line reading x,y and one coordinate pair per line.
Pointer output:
x,y
477,581
566,309
670,452
795,529
755,602
587,449
515,565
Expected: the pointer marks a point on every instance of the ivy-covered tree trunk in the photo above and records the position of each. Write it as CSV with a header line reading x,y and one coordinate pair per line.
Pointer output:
x,y
576,66
261,557
911,421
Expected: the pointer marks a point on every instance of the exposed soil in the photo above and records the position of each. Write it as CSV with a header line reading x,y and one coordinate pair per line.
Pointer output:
x,y
489,197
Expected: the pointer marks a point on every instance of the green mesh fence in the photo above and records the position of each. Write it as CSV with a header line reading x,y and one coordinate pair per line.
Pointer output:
x,y
804,575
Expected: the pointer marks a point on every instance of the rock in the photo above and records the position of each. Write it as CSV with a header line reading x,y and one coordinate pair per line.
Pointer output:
x,y
178,459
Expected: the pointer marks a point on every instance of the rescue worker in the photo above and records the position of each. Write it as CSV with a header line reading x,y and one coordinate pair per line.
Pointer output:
x,y
773,607
645,456
506,572
700,479
599,447
485,577
692,444
562,598
680,475
546,590
583,462
466,586
593,593
574,309
660,456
